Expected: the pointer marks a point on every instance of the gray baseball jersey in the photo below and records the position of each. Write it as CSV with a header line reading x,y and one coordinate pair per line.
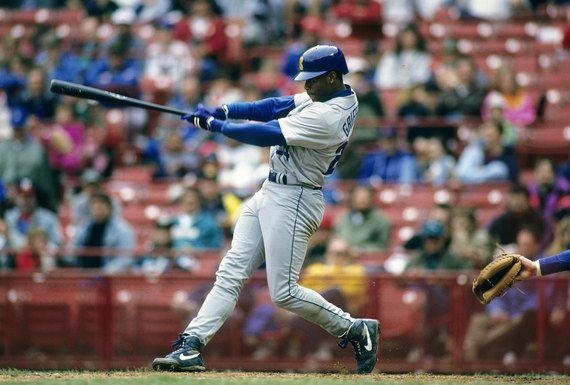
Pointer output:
x,y
276,223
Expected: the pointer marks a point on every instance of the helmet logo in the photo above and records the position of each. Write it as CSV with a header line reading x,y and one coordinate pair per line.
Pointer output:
x,y
301,63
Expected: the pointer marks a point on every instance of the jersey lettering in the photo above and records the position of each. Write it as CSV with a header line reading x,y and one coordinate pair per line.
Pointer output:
x,y
337,157
349,124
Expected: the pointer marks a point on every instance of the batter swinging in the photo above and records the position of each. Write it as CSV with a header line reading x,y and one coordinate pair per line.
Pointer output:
x,y
308,133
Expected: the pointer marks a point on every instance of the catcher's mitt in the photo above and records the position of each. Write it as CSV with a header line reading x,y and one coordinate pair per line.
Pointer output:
x,y
497,277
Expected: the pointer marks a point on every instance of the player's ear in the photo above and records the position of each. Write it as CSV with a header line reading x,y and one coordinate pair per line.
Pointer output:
x,y
331,76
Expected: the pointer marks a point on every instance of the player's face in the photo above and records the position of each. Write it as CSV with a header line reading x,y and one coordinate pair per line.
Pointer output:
x,y
319,88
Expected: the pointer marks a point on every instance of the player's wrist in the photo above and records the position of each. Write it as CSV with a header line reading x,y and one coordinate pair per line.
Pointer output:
x,y
215,125
538,271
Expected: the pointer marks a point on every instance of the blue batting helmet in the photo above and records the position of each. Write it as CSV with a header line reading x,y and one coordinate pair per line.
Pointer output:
x,y
319,60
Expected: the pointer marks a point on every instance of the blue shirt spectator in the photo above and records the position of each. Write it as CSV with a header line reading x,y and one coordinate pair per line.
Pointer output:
x,y
389,163
487,159
117,73
194,229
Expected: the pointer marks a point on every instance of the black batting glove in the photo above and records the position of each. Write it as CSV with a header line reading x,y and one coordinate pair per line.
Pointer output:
x,y
201,118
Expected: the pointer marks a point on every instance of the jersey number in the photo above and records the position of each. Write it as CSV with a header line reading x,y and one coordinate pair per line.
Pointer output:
x,y
334,162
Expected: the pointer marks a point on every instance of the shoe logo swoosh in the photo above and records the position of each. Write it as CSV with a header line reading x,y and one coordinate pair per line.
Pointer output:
x,y
368,345
191,356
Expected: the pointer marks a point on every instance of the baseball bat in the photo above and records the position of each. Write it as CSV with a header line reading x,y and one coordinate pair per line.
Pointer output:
x,y
85,92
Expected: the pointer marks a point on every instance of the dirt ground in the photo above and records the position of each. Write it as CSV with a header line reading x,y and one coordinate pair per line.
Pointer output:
x,y
380,378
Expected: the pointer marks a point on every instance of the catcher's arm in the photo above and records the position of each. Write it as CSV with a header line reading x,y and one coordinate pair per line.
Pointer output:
x,y
549,265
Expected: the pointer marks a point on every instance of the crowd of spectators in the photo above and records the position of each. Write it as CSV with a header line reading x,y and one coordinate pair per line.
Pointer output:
x,y
60,152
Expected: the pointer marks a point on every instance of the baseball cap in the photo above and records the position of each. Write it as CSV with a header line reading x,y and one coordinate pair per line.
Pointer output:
x,y
26,187
496,100
432,229
90,176
163,222
123,16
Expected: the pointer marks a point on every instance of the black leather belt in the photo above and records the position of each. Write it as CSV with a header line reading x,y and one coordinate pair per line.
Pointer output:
x,y
279,178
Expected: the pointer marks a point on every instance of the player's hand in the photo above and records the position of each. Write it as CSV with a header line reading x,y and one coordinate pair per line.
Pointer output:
x,y
529,269
201,118
220,113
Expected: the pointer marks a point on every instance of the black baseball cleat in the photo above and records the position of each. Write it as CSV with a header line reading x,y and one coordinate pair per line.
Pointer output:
x,y
364,335
186,357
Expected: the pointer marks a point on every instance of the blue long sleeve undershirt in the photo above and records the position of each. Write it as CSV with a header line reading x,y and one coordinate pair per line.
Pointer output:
x,y
263,110
258,134
267,111
556,263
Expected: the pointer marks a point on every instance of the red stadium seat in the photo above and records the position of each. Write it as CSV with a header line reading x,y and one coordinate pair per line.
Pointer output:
x,y
483,195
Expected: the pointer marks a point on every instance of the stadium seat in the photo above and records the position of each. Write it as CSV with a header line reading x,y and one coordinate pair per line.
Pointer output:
x,y
488,195
404,319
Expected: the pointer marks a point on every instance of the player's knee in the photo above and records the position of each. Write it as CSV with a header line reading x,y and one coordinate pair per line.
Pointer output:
x,y
283,301
230,285
286,296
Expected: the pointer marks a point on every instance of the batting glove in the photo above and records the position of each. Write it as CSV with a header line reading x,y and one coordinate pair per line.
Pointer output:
x,y
201,119
220,113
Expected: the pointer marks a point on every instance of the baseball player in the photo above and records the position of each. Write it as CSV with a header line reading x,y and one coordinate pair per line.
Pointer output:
x,y
545,266
307,133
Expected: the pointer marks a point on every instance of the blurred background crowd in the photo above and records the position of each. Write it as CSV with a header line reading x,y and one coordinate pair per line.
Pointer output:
x,y
457,97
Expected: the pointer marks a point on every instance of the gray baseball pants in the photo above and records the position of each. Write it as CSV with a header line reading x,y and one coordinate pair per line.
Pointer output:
x,y
275,226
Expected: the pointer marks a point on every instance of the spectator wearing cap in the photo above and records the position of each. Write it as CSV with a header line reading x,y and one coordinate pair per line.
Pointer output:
x,y
434,253
22,156
36,255
91,183
434,256
364,226
123,21
107,241
27,215
389,163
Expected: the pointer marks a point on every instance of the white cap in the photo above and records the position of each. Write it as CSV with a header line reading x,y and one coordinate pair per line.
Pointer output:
x,y
496,100
123,16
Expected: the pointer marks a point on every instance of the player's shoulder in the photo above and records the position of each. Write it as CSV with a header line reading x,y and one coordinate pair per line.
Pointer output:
x,y
333,106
